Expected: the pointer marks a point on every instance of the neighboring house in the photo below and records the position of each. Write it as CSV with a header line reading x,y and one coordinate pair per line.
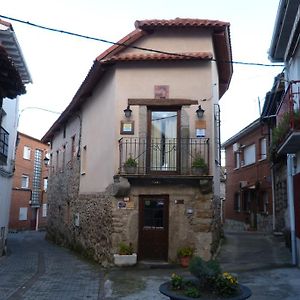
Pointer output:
x,y
95,200
14,74
28,208
282,109
248,204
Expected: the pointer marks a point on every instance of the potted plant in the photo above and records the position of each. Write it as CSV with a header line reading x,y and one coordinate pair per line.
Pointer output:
x,y
207,282
199,166
130,165
184,254
125,255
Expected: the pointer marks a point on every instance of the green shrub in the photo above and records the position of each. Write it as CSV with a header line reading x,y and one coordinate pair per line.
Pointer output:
x,y
125,249
185,251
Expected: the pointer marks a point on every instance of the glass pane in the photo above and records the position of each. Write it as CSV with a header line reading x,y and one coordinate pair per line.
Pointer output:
x,y
154,214
163,140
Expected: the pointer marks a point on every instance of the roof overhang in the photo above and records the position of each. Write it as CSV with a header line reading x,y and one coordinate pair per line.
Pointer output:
x,y
291,144
286,25
10,43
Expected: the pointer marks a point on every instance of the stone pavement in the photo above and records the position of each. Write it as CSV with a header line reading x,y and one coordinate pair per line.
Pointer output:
x,y
36,269
260,261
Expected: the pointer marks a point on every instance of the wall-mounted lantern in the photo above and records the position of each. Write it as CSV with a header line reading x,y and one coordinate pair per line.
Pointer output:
x,y
200,112
127,112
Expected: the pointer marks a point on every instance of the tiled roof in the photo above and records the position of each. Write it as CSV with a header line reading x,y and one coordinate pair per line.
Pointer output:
x,y
179,22
161,56
222,46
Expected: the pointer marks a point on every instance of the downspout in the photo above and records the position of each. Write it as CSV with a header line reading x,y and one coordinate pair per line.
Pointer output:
x,y
273,198
290,194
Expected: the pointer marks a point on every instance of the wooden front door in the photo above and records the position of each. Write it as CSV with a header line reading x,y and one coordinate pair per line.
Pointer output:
x,y
297,203
153,227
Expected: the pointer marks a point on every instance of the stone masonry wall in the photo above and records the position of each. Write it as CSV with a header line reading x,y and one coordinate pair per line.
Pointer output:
x,y
80,222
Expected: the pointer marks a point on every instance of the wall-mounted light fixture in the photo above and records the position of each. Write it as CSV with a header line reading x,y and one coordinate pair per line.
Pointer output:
x,y
127,112
46,161
200,112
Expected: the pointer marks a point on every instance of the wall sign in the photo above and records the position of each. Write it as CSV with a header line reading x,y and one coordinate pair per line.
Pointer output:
x,y
127,127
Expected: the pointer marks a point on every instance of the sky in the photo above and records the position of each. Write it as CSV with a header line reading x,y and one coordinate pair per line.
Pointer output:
x,y
58,63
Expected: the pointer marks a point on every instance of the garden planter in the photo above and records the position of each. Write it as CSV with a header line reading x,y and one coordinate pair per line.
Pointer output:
x,y
166,289
185,261
122,260
130,170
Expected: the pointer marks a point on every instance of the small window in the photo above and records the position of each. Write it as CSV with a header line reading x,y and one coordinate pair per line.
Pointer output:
x,y
237,160
44,211
23,214
25,182
45,184
26,152
83,160
263,148
237,202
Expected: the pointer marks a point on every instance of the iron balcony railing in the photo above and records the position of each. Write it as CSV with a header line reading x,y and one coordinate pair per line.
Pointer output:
x,y
4,135
288,109
162,155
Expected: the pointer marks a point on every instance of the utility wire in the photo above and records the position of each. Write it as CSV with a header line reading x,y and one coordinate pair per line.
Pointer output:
x,y
131,46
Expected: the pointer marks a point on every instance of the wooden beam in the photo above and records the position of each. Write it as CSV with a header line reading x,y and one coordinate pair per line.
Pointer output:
x,y
162,102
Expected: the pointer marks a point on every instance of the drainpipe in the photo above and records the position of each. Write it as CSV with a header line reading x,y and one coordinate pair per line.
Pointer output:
x,y
273,198
290,194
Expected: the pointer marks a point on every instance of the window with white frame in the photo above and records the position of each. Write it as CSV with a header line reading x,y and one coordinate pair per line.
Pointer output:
x,y
26,152
249,155
25,181
44,211
23,213
237,160
45,184
83,160
263,148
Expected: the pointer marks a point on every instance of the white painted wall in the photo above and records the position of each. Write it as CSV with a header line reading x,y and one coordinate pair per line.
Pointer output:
x,y
9,123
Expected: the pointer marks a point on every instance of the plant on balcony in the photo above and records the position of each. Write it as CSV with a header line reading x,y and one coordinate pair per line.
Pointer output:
x,y
199,166
130,165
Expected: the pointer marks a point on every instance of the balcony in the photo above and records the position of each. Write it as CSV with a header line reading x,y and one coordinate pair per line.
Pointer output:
x,y
162,157
286,135
3,146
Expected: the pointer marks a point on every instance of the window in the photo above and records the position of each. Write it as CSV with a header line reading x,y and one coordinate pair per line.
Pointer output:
x,y
26,152
83,160
23,214
3,145
237,160
25,182
237,202
44,211
45,184
263,148
249,155
63,157
73,148
57,161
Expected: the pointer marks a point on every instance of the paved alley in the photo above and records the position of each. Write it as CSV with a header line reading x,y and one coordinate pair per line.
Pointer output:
x,y
36,269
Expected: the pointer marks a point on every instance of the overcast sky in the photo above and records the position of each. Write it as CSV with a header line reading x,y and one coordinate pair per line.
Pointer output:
x,y
58,63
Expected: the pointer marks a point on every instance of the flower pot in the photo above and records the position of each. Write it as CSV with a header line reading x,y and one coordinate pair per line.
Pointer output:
x,y
121,260
166,289
199,171
185,261
129,169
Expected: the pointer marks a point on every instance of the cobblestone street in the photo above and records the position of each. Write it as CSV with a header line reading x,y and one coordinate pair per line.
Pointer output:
x,y
36,269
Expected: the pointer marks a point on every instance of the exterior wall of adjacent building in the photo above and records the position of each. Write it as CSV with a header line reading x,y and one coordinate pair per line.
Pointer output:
x,y
253,178
84,214
9,123
22,215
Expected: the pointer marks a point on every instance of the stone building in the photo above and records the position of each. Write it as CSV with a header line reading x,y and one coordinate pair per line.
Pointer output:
x,y
123,152
28,207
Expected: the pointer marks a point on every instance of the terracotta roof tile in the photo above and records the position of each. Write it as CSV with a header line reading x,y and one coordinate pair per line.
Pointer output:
x,y
179,22
161,56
